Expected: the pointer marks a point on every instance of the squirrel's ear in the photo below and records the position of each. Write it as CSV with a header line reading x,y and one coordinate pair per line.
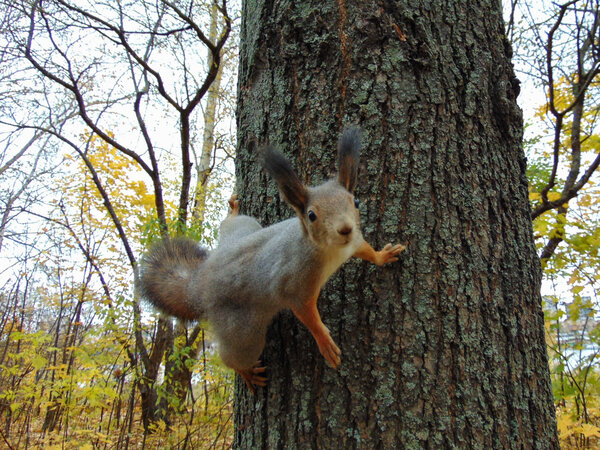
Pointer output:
x,y
291,187
348,155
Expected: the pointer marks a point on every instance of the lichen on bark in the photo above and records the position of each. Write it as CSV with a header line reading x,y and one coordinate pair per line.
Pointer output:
x,y
444,349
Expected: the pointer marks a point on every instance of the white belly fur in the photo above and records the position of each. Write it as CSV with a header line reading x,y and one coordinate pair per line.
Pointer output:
x,y
338,258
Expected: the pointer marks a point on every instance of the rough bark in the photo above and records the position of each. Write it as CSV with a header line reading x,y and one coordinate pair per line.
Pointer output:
x,y
444,349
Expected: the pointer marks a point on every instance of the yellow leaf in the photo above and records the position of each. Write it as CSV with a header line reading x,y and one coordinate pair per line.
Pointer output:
x,y
564,423
534,196
589,430
553,196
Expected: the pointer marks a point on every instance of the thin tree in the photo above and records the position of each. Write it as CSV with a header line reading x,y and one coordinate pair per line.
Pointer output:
x,y
561,54
141,63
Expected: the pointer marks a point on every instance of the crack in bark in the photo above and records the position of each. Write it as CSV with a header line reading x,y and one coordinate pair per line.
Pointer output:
x,y
345,58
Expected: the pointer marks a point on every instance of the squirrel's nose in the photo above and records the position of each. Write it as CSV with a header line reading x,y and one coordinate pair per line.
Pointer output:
x,y
345,230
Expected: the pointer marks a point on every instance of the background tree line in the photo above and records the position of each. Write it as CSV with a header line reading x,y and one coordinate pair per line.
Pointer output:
x,y
558,51
117,128
105,106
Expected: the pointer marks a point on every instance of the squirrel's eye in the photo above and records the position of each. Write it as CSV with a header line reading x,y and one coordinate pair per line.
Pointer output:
x,y
356,202
312,216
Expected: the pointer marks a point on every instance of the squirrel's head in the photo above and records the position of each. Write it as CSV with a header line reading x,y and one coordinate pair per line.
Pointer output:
x,y
329,212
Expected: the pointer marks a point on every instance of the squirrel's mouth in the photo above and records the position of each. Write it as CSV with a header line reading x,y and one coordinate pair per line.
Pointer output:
x,y
345,242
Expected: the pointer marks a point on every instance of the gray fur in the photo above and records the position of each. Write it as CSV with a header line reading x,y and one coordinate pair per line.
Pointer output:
x,y
255,272
166,271
246,281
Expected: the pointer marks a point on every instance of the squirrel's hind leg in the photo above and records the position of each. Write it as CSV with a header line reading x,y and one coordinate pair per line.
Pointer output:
x,y
234,204
252,376
236,226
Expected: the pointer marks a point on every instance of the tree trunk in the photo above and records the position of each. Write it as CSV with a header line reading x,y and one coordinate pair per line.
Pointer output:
x,y
151,409
445,348
204,162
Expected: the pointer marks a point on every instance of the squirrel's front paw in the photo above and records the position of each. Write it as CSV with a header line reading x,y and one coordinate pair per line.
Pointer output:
x,y
389,254
329,350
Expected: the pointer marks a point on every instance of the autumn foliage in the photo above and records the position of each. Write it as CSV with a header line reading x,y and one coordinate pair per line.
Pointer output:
x,y
96,164
68,370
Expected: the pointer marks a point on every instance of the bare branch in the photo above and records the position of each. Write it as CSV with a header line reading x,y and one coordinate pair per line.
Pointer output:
x,y
582,77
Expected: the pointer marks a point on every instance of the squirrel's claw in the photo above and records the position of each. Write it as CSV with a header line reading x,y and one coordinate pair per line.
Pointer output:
x,y
252,378
330,351
389,254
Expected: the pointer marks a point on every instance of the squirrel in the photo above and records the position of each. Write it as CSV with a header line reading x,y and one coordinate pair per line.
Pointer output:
x,y
255,272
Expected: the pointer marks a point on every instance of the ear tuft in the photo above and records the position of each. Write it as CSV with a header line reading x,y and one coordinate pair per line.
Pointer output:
x,y
291,187
348,157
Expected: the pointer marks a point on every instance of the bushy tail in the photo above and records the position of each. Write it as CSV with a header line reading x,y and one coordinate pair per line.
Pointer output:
x,y
165,275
